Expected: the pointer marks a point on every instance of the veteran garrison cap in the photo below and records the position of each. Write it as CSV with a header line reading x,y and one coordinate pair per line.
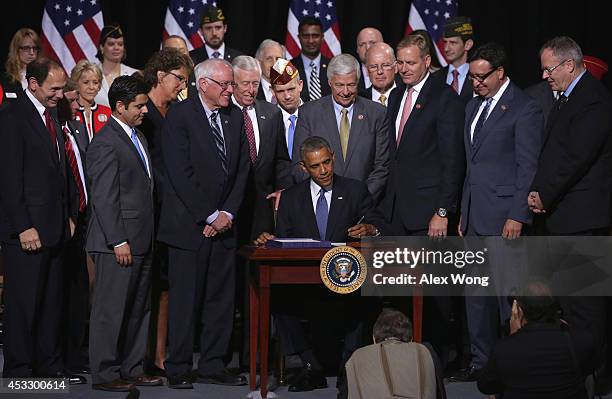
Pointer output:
x,y
596,67
212,14
282,72
459,26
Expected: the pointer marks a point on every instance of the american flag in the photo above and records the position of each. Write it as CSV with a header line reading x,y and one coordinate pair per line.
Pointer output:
x,y
325,10
432,15
183,19
71,30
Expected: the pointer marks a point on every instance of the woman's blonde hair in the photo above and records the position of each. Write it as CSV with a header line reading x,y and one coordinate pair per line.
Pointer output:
x,y
13,65
85,66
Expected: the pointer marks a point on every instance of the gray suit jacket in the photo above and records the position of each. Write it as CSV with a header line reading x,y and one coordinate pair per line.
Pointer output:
x,y
120,193
367,155
502,163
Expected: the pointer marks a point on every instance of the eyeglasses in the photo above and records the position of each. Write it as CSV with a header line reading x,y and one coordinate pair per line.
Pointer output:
x,y
224,85
384,67
549,71
481,78
29,49
180,78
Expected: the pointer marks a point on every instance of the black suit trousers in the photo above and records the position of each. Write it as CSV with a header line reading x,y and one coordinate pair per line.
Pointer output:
x,y
201,291
33,303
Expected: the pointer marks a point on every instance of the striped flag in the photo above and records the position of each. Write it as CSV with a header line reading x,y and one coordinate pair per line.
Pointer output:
x,y
183,19
432,15
71,30
325,10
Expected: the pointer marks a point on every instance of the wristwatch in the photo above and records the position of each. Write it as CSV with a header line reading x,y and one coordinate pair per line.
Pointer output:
x,y
442,212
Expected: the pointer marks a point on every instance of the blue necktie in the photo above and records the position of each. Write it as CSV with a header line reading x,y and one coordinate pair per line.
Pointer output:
x,y
135,142
321,213
292,119
481,120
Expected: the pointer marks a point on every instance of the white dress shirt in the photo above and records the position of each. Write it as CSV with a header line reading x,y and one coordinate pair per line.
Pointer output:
x,y
41,112
287,122
102,96
266,87
220,50
415,95
308,68
315,190
253,116
376,94
366,78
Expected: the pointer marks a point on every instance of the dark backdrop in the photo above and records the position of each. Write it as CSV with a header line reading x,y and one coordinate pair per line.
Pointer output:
x,y
521,26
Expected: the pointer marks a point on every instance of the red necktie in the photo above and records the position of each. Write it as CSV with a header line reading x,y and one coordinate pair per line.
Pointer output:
x,y
250,132
405,114
75,169
51,128
455,82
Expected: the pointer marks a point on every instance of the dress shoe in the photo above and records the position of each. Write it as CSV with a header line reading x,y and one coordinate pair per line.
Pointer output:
x,y
180,382
307,380
156,371
467,374
224,377
117,385
146,381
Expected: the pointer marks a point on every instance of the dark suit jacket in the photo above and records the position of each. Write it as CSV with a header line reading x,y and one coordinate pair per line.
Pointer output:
x,y
536,362
325,89
270,172
151,127
573,176
543,95
367,155
197,185
198,55
350,201
502,163
367,93
426,171
33,176
120,192
467,92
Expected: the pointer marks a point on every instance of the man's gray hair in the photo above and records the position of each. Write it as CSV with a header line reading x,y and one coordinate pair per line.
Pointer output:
x,y
207,68
384,47
343,64
312,144
265,44
564,48
246,63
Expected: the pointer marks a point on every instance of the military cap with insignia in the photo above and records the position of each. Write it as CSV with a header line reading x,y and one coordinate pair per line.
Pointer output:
x,y
212,14
459,26
282,72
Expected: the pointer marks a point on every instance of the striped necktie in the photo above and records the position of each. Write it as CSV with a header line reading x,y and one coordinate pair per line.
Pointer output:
x,y
219,141
314,86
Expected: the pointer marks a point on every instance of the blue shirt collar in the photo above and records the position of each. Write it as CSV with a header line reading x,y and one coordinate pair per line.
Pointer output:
x,y
569,89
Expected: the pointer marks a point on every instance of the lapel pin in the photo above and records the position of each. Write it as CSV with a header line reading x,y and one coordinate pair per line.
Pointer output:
x,y
76,131
360,116
339,198
102,118
503,107
262,117
226,122
417,106
324,66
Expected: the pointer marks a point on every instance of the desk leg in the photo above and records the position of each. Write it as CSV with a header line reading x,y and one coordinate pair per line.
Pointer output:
x,y
264,327
253,326
417,314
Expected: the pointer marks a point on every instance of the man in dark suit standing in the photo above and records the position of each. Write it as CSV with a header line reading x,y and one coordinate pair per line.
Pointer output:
x,y
311,65
382,69
120,241
427,163
324,207
356,128
572,187
34,224
206,155
213,27
287,86
366,37
76,277
270,163
267,53
458,41
502,137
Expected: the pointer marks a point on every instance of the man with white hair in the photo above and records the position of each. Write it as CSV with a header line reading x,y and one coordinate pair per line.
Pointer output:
x,y
355,127
267,53
207,157
365,39
382,69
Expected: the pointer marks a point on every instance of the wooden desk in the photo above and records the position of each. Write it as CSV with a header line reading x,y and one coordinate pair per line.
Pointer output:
x,y
269,266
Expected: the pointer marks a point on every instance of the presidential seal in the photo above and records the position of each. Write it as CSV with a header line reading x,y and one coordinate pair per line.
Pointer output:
x,y
343,269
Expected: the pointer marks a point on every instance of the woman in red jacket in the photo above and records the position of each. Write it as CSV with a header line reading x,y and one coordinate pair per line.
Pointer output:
x,y
88,78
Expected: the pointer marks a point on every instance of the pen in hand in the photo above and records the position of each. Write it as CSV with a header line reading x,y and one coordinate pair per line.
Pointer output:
x,y
360,220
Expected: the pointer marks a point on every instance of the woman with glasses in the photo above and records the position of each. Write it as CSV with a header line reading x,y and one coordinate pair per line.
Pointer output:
x,y
166,73
23,49
111,53
88,78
